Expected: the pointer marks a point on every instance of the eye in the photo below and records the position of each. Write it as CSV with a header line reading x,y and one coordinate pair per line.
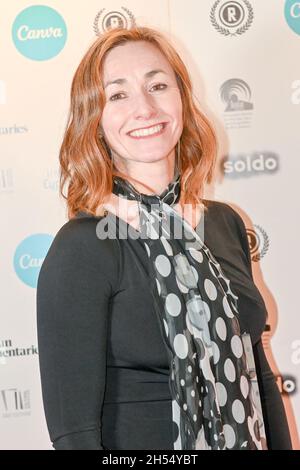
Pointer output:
x,y
113,96
160,84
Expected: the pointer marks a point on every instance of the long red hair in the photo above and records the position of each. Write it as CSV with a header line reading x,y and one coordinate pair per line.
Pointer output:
x,y
85,163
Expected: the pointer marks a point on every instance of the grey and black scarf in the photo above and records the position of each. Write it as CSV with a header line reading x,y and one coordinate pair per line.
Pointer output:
x,y
215,397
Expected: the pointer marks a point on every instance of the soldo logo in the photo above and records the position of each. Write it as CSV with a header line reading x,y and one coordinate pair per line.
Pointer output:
x,y
251,164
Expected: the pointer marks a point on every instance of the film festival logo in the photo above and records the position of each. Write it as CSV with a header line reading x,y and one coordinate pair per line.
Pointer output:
x,y
235,93
113,19
15,402
258,242
231,18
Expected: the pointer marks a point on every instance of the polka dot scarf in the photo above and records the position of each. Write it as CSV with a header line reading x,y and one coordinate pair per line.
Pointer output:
x,y
215,396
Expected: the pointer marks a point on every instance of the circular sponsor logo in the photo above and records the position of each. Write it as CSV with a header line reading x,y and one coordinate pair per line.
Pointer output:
x,y
29,257
231,18
39,32
292,14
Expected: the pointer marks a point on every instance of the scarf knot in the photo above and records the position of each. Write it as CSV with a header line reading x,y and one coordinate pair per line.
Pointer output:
x,y
169,196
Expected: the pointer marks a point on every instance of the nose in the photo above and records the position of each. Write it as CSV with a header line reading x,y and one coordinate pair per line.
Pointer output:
x,y
144,106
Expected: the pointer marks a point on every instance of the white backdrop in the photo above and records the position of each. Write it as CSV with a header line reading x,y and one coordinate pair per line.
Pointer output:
x,y
243,57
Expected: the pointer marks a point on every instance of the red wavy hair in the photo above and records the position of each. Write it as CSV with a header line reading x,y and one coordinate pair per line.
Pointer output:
x,y
85,163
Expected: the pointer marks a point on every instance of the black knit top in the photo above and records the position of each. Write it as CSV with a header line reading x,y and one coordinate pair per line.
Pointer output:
x,y
104,367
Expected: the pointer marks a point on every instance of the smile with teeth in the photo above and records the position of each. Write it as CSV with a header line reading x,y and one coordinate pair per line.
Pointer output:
x,y
150,131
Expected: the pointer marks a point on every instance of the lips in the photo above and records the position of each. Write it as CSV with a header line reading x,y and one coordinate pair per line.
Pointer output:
x,y
148,127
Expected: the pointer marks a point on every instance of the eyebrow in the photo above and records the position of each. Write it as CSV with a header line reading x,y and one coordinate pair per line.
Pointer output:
x,y
149,74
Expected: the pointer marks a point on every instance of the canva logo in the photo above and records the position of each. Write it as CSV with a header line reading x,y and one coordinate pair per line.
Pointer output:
x,y
292,14
29,257
39,32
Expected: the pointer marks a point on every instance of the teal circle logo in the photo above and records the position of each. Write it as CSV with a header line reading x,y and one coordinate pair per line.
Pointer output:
x,y
39,32
292,14
29,257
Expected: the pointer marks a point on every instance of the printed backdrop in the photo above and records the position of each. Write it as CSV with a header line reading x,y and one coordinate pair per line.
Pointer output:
x,y
243,57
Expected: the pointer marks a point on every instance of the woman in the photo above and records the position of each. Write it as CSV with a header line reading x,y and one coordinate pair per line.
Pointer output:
x,y
143,338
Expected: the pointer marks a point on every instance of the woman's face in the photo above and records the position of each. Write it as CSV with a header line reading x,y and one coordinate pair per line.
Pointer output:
x,y
141,98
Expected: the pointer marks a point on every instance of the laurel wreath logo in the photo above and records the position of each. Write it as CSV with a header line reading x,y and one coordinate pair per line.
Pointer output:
x,y
226,31
266,244
96,20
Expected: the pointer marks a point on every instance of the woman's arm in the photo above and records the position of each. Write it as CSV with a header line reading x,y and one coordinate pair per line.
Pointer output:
x,y
276,424
76,281
277,429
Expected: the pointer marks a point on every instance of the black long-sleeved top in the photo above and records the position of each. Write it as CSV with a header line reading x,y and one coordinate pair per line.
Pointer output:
x,y
104,367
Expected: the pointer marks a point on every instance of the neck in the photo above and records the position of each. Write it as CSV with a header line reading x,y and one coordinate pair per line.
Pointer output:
x,y
156,175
